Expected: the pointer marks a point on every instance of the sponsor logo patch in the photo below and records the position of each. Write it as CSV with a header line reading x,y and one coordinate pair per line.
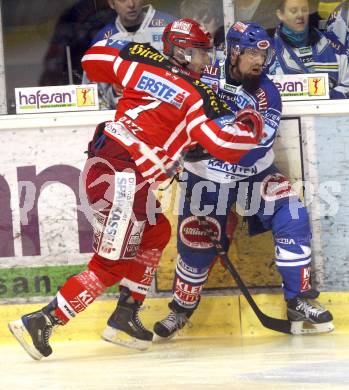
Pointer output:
x,y
317,86
181,26
264,44
81,301
193,236
141,50
134,240
58,98
305,279
98,228
211,70
276,186
162,89
187,293
239,26
119,216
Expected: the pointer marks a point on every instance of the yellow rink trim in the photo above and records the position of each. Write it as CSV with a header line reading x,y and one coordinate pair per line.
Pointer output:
x,y
216,316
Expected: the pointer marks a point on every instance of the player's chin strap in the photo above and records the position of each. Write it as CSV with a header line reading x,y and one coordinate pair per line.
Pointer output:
x,y
279,325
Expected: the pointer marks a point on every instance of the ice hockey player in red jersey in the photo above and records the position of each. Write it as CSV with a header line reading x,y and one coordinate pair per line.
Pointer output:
x,y
163,112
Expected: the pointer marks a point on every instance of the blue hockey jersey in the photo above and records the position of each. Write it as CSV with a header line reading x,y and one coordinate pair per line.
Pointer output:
x,y
266,99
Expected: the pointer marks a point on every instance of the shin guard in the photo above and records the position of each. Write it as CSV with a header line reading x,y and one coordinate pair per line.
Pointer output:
x,y
76,294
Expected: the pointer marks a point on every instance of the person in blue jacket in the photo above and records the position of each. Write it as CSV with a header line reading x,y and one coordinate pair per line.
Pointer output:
x,y
301,48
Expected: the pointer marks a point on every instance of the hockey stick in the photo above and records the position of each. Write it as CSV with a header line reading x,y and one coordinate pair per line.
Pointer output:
x,y
283,326
276,324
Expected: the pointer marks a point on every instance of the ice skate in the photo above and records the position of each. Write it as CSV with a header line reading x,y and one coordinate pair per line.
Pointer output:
x,y
125,327
308,316
169,326
33,331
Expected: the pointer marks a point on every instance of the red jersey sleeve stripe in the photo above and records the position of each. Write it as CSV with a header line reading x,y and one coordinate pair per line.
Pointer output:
x,y
172,138
98,57
116,65
212,136
129,74
195,122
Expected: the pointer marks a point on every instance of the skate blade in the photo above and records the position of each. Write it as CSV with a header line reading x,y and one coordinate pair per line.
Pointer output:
x,y
118,337
159,339
19,331
305,327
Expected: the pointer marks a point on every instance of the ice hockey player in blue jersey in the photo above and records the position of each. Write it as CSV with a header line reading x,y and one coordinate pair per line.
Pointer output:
x,y
255,184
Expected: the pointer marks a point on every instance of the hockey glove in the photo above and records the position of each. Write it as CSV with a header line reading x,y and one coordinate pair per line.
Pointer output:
x,y
251,120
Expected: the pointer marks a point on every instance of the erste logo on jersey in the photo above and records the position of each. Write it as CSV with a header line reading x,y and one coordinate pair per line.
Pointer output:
x,y
162,89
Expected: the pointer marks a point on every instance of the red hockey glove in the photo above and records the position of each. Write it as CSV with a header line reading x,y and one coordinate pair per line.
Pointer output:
x,y
251,120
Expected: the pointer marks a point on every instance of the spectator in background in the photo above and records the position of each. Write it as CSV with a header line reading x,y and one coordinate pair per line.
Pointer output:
x,y
264,13
208,13
337,24
258,11
134,22
71,38
301,48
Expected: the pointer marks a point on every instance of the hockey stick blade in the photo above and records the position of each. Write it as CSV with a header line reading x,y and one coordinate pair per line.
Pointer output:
x,y
276,324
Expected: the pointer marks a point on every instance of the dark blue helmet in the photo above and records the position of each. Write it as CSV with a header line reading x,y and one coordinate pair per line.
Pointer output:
x,y
249,35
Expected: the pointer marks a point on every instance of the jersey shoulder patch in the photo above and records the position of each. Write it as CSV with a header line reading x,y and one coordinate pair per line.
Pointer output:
x,y
143,53
211,71
116,43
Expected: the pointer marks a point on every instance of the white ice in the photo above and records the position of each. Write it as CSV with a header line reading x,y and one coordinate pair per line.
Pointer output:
x,y
285,362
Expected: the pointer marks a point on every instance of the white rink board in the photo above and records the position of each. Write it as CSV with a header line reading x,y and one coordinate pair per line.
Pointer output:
x,y
44,148
59,147
56,139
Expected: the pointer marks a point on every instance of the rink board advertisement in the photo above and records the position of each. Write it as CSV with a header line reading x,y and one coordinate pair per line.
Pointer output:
x,y
45,237
59,98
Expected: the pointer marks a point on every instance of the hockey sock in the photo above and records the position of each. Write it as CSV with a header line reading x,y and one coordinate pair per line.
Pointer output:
x,y
77,293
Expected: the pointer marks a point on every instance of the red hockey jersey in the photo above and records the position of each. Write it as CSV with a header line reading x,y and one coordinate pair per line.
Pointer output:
x,y
163,109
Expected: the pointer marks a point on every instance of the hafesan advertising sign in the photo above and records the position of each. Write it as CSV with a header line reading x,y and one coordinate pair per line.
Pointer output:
x,y
309,86
56,99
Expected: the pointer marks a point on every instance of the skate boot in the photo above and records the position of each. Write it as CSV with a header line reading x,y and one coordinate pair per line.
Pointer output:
x,y
33,331
124,326
169,326
307,315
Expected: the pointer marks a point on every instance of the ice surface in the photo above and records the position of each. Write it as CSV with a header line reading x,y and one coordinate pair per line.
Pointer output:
x,y
282,362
